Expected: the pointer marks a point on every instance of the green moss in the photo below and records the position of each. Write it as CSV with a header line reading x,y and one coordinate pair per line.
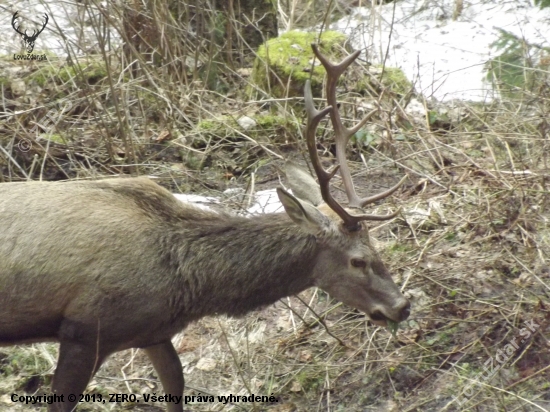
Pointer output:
x,y
237,148
283,64
310,380
392,79
451,236
221,126
56,138
226,125
268,129
90,72
400,247
396,80
268,121
207,124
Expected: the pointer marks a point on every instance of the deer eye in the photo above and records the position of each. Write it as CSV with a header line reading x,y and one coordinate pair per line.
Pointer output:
x,y
358,263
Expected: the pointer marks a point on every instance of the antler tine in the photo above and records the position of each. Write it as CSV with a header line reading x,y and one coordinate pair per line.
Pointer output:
x,y
342,134
314,116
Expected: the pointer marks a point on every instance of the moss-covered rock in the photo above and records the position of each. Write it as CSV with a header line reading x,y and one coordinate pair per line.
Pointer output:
x,y
284,64
265,128
234,140
90,72
392,78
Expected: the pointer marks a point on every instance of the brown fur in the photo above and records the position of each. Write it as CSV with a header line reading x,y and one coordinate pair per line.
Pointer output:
x,y
114,264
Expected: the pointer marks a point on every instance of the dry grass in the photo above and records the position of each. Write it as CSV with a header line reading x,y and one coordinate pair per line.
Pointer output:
x,y
471,248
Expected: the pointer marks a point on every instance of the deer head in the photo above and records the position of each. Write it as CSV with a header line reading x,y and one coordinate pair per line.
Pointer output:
x,y
352,271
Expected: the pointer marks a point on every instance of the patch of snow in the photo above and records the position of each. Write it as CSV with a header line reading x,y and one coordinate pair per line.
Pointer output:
x,y
444,57
266,201
201,202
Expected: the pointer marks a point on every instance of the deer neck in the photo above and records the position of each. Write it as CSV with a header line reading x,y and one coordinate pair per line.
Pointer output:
x,y
234,265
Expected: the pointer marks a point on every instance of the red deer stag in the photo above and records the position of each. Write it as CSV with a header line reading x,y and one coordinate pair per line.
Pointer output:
x,y
114,264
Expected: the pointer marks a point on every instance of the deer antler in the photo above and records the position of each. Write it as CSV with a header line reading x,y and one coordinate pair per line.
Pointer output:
x,y
342,135
14,23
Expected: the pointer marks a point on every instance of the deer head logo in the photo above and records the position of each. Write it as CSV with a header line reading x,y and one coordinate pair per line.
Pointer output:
x,y
28,41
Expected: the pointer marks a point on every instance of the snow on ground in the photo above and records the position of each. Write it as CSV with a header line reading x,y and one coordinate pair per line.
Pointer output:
x,y
199,201
265,201
445,57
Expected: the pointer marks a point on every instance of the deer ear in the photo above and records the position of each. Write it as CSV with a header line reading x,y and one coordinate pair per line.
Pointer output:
x,y
308,217
302,184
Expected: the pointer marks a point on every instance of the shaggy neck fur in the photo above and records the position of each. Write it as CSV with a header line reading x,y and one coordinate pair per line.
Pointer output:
x,y
232,265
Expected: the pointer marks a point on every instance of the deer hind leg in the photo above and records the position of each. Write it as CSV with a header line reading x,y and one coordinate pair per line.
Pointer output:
x,y
167,364
76,365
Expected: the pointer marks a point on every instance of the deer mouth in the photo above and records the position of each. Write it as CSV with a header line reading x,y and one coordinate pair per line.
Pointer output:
x,y
378,318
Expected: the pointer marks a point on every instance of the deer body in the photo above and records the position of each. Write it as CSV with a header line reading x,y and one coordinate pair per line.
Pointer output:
x,y
114,264
124,261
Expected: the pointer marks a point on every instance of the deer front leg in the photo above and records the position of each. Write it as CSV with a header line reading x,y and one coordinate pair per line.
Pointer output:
x,y
76,365
167,364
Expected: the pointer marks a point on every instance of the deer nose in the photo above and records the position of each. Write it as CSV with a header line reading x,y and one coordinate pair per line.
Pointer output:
x,y
404,310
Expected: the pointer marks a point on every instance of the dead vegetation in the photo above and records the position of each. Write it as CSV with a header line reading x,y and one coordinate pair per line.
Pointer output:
x,y
471,248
